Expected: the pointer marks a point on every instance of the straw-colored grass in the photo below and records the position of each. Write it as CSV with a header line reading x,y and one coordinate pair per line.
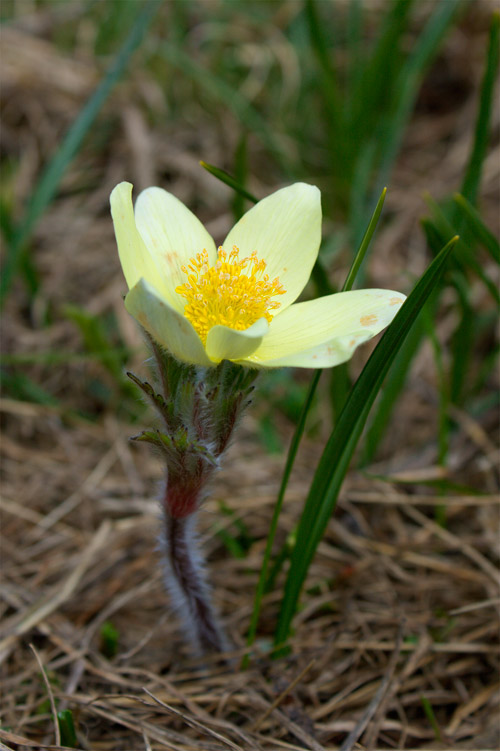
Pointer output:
x,y
398,610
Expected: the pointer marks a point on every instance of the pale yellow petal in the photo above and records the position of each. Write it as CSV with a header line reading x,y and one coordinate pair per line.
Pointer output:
x,y
325,332
224,343
135,259
168,327
173,235
285,230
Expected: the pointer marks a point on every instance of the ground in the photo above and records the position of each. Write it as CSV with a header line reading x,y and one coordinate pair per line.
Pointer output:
x,y
396,641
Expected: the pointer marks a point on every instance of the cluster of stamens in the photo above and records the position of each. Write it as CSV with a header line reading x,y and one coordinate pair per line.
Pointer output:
x,y
232,292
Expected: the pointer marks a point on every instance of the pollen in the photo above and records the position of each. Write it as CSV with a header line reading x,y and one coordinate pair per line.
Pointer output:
x,y
233,292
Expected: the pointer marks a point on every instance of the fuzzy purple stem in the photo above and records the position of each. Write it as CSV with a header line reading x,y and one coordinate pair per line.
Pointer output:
x,y
188,587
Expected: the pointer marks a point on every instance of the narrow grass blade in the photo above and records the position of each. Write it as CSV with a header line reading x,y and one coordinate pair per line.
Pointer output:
x,y
472,177
292,451
226,178
338,452
443,229
442,386
222,92
476,226
67,728
462,344
393,387
22,388
378,78
329,84
51,177
410,77
429,711
241,171
365,242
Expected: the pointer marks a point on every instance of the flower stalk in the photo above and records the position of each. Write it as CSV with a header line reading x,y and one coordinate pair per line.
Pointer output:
x,y
199,409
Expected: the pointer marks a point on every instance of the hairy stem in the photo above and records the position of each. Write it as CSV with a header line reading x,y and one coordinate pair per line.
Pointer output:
x,y
188,588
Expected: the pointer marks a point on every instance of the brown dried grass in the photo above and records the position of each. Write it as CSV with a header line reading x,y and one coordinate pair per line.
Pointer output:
x,y
397,608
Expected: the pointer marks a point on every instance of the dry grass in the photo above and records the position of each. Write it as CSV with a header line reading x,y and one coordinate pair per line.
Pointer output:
x,y
397,609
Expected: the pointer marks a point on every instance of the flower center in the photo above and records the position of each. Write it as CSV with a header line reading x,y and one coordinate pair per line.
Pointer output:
x,y
232,292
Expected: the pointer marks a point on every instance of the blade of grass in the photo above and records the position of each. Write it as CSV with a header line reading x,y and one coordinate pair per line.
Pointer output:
x,y
472,220
19,386
409,81
228,179
356,55
377,80
294,445
429,711
320,43
442,387
472,177
340,381
67,728
365,242
217,88
462,344
48,184
465,256
338,452
241,171
392,389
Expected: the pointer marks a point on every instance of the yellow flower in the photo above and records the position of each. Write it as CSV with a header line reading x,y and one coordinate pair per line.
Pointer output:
x,y
238,302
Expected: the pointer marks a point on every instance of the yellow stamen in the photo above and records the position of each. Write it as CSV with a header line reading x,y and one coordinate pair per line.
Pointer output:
x,y
223,295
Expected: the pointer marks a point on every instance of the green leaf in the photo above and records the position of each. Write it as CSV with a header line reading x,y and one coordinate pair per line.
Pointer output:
x,y
410,78
393,387
473,222
109,639
292,451
429,711
67,728
226,178
472,177
339,450
48,183
241,171
219,90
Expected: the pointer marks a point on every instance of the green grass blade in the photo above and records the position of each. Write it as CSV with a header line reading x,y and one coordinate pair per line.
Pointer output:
x,y
290,460
241,171
365,242
292,451
340,381
442,389
472,177
378,75
21,387
329,85
227,179
473,222
220,91
462,343
393,387
443,229
49,181
410,78
338,452
356,54
430,714
67,728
